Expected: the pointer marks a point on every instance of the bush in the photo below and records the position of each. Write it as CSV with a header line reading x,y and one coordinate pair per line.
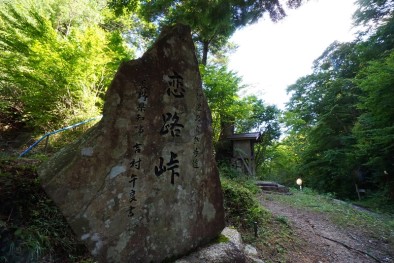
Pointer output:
x,y
227,171
242,209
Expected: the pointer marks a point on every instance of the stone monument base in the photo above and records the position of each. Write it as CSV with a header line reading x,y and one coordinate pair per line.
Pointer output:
x,y
229,248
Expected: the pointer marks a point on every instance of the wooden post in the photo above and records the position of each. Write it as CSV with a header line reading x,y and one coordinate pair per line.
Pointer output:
x,y
358,193
46,144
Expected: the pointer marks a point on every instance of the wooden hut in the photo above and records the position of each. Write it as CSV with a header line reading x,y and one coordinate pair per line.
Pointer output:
x,y
243,151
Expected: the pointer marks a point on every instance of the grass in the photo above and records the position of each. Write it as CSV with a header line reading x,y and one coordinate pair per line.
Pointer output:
x,y
342,213
376,203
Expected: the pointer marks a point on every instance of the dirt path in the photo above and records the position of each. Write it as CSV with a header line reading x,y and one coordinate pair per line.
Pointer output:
x,y
322,241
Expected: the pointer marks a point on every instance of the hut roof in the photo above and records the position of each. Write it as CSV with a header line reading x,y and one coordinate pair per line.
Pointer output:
x,y
253,136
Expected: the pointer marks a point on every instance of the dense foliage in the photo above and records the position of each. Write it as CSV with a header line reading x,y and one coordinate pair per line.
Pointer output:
x,y
241,207
341,115
55,62
58,57
243,114
212,22
32,228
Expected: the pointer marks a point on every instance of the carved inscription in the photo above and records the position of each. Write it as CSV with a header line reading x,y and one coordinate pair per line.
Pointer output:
x,y
175,86
145,186
172,165
171,124
197,137
132,197
136,161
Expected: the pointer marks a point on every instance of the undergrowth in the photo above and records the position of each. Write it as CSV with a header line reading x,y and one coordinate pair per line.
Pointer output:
x,y
32,229
50,145
243,211
377,203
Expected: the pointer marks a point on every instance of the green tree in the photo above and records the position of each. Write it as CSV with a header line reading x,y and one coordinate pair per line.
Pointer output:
x,y
261,118
55,65
212,22
372,13
375,127
232,113
342,110
280,164
221,88
325,102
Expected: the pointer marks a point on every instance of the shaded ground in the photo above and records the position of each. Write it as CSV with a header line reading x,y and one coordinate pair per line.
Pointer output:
x,y
32,228
322,241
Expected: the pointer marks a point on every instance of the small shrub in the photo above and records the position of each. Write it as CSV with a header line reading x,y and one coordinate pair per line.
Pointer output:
x,y
225,169
242,210
241,207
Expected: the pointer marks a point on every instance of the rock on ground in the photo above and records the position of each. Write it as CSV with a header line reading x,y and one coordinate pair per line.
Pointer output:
x,y
229,250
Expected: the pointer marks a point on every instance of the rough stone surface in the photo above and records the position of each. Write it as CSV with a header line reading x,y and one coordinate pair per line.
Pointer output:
x,y
251,251
142,185
252,256
230,251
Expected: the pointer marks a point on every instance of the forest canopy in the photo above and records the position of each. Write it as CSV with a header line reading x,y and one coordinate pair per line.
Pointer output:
x,y
343,114
57,59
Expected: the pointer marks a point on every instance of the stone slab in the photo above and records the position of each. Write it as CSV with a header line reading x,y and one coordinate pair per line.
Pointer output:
x,y
142,185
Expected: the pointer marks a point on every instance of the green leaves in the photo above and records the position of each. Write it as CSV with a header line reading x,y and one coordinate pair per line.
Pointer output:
x,y
58,71
375,127
371,12
345,110
221,88
246,114
212,22
241,207
325,104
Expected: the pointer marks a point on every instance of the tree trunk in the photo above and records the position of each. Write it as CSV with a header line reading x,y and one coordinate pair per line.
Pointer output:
x,y
224,150
205,52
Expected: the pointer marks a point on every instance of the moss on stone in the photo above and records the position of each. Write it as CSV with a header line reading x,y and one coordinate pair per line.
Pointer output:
x,y
222,239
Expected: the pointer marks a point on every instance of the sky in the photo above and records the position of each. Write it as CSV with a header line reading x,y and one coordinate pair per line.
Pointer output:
x,y
272,56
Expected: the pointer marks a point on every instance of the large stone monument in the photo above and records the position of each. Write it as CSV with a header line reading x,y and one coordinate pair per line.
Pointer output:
x,y
142,185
